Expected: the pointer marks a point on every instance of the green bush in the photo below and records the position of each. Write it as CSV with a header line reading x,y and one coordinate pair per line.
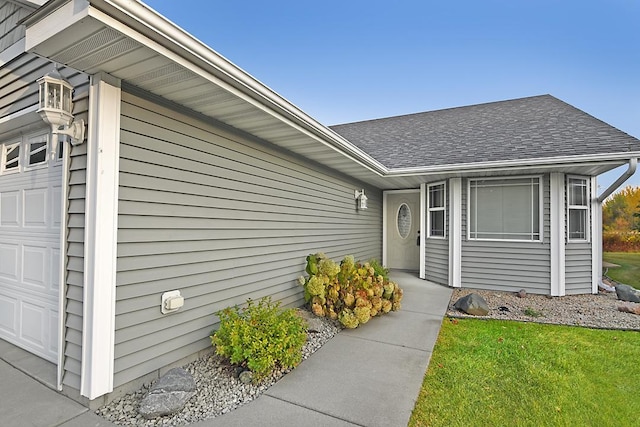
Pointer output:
x,y
260,336
350,292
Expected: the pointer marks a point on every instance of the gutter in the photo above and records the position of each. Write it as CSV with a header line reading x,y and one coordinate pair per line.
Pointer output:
x,y
633,163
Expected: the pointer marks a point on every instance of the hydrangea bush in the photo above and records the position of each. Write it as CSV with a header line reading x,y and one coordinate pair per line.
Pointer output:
x,y
351,292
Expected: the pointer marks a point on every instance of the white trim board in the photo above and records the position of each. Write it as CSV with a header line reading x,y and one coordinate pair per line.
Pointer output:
x,y
101,215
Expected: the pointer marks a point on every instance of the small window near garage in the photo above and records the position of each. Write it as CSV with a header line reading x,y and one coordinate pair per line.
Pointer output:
x,y
37,150
577,209
403,220
11,157
437,215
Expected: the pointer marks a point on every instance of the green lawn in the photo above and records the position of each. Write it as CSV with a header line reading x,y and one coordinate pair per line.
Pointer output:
x,y
629,270
502,373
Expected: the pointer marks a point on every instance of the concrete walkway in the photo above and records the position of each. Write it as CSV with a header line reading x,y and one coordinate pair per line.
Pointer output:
x,y
370,376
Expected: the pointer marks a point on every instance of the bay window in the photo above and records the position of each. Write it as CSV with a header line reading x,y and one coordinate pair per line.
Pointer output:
x,y
505,209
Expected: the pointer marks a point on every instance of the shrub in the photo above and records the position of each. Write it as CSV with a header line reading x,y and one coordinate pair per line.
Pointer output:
x,y
260,336
623,241
351,292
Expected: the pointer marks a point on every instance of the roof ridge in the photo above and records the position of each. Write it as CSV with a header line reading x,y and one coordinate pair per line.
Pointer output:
x,y
446,109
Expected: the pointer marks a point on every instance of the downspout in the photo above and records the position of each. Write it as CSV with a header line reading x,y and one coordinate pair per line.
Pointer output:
x,y
633,163
597,227
62,276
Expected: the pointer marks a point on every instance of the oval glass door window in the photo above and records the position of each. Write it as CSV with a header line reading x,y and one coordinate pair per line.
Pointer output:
x,y
403,220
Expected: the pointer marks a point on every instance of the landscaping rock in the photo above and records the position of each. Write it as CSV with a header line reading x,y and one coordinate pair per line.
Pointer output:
x,y
627,293
314,324
521,293
472,304
169,394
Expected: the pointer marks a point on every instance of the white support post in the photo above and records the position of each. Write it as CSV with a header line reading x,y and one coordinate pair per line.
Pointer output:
x,y
423,230
596,237
558,230
101,227
384,228
455,232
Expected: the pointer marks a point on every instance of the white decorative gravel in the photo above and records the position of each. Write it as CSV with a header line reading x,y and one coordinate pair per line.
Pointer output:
x,y
593,310
218,389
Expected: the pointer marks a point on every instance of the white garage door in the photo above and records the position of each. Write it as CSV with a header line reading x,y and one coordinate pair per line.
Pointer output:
x,y
30,197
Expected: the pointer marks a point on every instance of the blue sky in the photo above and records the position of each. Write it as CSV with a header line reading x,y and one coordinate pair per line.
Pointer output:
x,y
349,60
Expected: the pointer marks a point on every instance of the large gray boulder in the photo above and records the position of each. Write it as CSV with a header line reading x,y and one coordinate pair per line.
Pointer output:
x,y
627,293
472,304
169,394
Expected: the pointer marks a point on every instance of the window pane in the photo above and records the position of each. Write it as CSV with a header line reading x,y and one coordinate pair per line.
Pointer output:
x,y
404,221
12,156
505,209
436,196
437,223
578,224
577,192
37,152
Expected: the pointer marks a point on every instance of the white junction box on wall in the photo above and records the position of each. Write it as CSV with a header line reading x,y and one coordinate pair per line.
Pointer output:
x,y
171,302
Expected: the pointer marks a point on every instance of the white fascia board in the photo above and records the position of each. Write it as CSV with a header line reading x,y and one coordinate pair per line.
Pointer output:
x,y
557,219
101,228
48,21
455,232
510,165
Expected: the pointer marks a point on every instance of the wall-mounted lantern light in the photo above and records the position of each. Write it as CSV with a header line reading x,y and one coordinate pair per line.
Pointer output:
x,y
55,107
361,198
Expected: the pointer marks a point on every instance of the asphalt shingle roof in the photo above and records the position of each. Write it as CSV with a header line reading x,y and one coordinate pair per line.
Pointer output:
x,y
526,128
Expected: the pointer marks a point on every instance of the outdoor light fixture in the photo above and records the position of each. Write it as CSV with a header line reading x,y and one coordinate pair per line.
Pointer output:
x,y
55,107
361,198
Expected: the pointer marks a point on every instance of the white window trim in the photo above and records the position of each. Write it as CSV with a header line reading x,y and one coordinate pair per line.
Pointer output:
x,y
585,207
26,144
3,153
507,178
438,209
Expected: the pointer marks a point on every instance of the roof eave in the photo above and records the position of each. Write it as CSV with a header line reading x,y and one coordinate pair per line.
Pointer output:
x,y
547,162
139,22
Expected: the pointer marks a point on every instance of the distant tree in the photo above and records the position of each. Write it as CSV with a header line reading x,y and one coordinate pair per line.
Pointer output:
x,y
621,211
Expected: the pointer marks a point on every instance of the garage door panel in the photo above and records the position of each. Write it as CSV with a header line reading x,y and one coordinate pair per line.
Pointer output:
x,y
56,206
35,208
8,315
35,262
9,208
9,261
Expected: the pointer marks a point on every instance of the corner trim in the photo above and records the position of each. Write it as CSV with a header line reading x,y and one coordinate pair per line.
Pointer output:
x,y
596,237
423,228
557,219
100,249
455,232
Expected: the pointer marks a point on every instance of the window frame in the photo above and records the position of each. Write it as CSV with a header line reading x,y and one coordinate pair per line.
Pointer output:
x,y
3,160
585,208
505,179
35,138
410,220
442,209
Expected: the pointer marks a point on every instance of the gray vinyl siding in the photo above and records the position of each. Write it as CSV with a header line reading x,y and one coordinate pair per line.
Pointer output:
x,y
437,252
578,268
222,218
507,265
10,31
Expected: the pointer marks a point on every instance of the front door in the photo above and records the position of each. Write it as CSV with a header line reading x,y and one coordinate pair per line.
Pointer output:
x,y
403,225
